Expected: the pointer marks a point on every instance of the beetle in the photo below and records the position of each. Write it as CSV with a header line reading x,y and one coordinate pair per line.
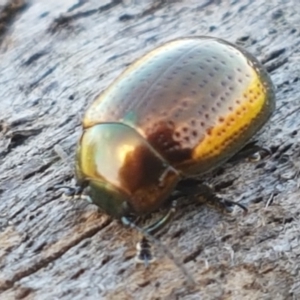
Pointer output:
x,y
181,110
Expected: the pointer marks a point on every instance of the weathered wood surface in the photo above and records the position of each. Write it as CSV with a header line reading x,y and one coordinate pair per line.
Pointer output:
x,y
55,57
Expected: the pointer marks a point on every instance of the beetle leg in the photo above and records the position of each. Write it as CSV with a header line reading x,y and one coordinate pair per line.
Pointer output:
x,y
147,236
262,153
194,187
144,254
71,192
158,225
225,202
251,152
209,194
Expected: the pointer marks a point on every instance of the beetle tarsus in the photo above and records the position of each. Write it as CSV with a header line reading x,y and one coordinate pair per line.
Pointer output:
x,y
230,202
70,192
144,253
262,153
251,152
148,237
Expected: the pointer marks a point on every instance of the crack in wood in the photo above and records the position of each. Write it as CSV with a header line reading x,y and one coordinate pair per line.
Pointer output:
x,y
44,262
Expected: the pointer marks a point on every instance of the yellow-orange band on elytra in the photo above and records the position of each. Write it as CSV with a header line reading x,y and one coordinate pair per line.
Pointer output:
x,y
230,127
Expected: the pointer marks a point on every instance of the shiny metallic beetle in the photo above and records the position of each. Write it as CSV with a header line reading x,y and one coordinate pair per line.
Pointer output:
x,y
180,110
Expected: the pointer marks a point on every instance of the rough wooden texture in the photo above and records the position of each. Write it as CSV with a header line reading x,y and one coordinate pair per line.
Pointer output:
x,y
56,56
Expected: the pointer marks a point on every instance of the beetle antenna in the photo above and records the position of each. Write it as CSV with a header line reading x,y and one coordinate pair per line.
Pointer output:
x,y
163,248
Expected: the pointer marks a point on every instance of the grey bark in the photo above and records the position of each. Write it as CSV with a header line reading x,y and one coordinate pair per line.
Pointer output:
x,y
56,56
